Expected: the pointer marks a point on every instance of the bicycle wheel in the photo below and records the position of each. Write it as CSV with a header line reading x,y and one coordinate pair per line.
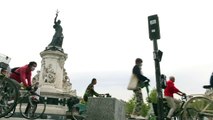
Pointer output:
x,y
32,107
10,113
194,108
8,96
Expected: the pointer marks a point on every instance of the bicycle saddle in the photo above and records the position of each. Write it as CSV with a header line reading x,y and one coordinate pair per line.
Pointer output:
x,y
208,87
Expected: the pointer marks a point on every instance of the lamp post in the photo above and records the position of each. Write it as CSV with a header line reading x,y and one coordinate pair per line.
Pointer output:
x,y
154,34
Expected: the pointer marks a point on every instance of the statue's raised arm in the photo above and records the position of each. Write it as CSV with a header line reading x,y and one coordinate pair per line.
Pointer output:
x,y
56,16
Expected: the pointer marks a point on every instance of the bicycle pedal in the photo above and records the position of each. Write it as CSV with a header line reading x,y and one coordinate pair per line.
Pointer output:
x,y
11,101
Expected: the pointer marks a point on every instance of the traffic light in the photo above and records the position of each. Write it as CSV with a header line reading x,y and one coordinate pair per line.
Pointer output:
x,y
159,55
154,30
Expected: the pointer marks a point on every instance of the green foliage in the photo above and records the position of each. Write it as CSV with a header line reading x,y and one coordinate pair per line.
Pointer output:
x,y
131,104
153,96
145,109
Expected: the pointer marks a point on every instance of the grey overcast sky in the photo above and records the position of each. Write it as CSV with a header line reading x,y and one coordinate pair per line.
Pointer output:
x,y
103,37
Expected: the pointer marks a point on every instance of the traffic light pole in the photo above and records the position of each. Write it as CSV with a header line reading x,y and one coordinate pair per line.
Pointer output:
x,y
158,83
154,35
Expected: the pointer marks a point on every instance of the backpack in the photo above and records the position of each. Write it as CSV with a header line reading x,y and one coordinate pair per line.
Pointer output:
x,y
163,81
13,70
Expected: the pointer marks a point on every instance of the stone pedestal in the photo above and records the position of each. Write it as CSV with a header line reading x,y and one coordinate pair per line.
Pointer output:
x,y
105,109
55,85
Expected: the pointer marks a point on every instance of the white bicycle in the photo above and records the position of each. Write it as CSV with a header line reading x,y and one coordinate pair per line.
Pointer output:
x,y
199,106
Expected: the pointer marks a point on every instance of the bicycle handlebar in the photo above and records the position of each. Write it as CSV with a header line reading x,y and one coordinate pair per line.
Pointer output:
x,y
105,95
184,97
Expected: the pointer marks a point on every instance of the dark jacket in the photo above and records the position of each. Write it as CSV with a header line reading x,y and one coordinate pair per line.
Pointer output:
x,y
137,71
211,80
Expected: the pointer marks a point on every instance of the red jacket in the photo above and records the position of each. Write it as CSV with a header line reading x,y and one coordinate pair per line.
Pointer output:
x,y
170,89
23,74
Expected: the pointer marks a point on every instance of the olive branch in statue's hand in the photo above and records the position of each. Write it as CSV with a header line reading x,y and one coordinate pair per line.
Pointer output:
x,y
57,12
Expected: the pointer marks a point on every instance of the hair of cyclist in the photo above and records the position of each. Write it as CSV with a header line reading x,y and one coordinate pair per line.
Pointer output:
x,y
32,63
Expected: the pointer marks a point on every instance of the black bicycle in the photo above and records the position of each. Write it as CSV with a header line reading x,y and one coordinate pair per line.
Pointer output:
x,y
32,105
8,95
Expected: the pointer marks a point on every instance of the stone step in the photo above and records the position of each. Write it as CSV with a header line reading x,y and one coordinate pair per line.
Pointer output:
x,y
14,118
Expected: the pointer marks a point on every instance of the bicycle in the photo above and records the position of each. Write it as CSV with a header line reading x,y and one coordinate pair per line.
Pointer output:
x,y
8,90
8,95
32,105
198,106
152,114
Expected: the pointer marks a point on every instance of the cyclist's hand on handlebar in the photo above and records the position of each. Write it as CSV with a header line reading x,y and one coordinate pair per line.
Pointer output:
x,y
183,94
29,88
147,79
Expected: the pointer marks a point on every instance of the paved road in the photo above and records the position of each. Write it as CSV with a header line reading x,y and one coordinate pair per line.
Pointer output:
x,y
39,119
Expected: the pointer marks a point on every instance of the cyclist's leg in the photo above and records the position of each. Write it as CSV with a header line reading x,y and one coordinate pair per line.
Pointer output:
x,y
27,108
36,107
172,105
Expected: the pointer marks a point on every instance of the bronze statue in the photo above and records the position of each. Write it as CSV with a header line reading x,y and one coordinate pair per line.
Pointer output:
x,y
58,36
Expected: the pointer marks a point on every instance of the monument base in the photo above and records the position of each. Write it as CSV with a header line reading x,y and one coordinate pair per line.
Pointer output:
x,y
105,109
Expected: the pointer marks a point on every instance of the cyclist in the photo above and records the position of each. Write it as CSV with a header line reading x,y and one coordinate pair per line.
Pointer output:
x,y
90,92
23,74
168,93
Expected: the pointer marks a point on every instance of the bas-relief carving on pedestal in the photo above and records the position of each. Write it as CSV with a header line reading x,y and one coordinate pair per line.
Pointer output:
x,y
36,77
67,85
49,78
49,74
61,62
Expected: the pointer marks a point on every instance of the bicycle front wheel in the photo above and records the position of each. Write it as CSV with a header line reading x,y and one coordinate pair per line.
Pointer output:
x,y
32,107
8,96
195,107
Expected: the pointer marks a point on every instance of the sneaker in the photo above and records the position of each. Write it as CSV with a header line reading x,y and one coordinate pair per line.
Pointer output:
x,y
140,117
132,116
